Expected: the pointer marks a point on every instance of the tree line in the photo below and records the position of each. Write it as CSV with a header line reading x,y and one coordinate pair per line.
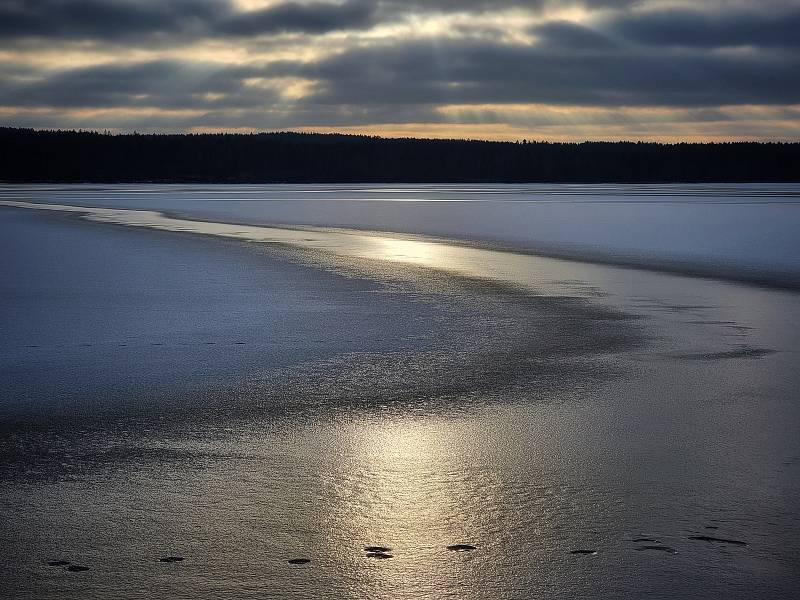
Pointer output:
x,y
30,155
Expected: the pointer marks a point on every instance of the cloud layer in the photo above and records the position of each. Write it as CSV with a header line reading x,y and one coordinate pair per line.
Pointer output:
x,y
646,69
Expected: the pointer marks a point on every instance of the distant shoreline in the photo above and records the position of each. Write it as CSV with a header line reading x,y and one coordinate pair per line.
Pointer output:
x,y
46,156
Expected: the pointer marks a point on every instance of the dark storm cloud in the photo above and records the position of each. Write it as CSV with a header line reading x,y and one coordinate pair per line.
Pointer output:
x,y
133,21
103,19
568,35
620,56
112,20
480,72
467,6
161,84
422,75
756,27
315,17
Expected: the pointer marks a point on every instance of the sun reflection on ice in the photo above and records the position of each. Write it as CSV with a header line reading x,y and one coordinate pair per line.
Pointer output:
x,y
406,481
409,251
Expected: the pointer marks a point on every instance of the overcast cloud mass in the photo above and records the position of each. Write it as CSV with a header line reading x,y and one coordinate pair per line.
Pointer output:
x,y
540,69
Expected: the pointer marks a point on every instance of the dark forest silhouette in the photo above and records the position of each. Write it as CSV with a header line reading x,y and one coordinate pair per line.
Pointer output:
x,y
80,156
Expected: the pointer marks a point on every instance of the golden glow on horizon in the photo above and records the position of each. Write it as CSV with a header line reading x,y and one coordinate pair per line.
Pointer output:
x,y
536,122
695,132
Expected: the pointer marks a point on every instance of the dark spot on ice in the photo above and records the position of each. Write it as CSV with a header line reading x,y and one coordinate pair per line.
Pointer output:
x,y
711,527
708,538
684,307
587,552
379,555
58,563
461,547
77,568
170,559
740,352
377,549
299,561
659,548
646,539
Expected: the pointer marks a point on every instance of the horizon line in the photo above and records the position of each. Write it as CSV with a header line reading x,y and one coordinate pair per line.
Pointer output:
x,y
311,133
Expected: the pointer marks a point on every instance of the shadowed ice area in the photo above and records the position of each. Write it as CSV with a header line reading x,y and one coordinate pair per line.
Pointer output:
x,y
170,389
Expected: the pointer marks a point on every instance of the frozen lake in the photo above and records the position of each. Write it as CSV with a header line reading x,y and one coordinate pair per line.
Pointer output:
x,y
747,231
204,384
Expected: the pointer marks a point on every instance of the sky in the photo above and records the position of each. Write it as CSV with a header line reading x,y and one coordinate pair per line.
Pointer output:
x,y
560,70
